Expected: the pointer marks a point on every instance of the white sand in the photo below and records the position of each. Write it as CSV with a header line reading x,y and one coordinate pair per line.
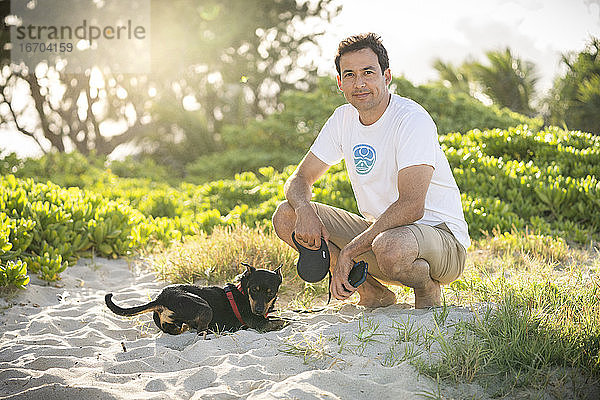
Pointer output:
x,y
63,343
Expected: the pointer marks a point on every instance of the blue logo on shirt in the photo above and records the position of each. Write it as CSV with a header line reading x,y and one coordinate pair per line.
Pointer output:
x,y
364,158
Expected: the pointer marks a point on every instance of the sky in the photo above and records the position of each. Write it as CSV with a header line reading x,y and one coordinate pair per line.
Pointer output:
x,y
416,32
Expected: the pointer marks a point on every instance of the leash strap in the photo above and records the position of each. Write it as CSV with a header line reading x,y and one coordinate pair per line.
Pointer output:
x,y
234,306
322,308
329,289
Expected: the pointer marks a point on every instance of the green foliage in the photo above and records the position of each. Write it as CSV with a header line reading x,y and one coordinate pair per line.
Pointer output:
x,y
237,160
455,78
14,237
133,167
511,179
508,80
454,111
71,169
277,141
14,274
575,97
49,227
546,180
542,247
294,128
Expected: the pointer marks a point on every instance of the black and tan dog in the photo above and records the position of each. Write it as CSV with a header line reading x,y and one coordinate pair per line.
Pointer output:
x,y
181,307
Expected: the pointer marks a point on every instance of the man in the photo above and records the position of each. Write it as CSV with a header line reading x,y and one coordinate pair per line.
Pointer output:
x,y
414,232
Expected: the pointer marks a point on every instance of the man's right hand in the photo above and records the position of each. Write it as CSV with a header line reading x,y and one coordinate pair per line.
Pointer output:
x,y
309,228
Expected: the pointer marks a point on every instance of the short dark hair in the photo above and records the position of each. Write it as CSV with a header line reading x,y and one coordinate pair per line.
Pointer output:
x,y
363,41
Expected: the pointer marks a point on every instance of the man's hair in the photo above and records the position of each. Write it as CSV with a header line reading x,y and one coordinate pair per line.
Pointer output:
x,y
363,41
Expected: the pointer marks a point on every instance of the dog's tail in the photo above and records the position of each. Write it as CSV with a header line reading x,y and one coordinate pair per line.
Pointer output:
x,y
128,312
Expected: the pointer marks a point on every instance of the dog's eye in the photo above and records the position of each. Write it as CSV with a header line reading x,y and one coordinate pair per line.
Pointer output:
x,y
269,291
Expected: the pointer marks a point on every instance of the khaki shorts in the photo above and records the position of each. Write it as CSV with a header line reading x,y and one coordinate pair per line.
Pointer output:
x,y
437,245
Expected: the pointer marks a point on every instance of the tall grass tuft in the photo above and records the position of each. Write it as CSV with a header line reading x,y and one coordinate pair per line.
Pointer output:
x,y
217,257
540,247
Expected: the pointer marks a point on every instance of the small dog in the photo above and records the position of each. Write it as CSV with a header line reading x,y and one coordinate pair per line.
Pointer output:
x,y
181,307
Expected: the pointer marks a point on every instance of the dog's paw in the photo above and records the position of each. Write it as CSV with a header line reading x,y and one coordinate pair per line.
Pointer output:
x,y
275,324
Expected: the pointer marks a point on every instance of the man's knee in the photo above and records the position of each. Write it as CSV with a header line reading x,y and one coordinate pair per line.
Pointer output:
x,y
395,250
283,216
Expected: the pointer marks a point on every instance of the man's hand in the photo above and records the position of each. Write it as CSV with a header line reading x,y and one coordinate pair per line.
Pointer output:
x,y
340,288
309,228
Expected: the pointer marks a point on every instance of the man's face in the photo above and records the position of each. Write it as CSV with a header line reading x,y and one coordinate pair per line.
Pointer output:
x,y
362,82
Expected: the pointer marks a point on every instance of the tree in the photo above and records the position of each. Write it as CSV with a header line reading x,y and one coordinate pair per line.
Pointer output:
x,y
63,111
452,77
574,100
213,62
507,80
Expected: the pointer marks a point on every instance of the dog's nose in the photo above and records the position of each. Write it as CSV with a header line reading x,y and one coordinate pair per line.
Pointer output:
x,y
259,309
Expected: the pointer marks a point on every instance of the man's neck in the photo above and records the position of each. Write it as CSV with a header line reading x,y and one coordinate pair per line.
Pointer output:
x,y
369,117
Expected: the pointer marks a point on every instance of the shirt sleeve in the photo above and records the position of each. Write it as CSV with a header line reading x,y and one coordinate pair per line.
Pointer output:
x,y
327,146
418,141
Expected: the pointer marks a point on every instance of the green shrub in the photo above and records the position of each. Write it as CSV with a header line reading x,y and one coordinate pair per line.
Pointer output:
x,y
49,227
63,169
511,179
134,167
235,161
14,274
459,112
536,189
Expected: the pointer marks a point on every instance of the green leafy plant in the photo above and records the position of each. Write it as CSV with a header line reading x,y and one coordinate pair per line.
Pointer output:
x,y
14,274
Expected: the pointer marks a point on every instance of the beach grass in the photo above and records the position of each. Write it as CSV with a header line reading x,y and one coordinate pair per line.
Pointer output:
x,y
537,317
536,302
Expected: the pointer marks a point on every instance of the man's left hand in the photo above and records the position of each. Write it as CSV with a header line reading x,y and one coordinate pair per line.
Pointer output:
x,y
340,288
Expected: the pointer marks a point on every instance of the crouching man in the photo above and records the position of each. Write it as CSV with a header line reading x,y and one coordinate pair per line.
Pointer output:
x,y
413,230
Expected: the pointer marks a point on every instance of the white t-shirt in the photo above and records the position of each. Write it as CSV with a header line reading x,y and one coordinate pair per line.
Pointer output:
x,y
403,136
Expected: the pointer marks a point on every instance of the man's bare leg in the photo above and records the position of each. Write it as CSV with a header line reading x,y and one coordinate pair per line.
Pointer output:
x,y
396,251
372,293
427,291
284,220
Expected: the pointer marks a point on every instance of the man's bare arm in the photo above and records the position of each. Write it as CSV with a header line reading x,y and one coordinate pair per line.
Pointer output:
x,y
298,192
297,188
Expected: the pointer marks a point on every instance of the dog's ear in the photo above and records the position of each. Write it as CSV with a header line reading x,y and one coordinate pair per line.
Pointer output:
x,y
278,270
249,268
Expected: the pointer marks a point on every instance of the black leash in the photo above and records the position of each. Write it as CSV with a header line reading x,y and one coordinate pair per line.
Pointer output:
x,y
357,276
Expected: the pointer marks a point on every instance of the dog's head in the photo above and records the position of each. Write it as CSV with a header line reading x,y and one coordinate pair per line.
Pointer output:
x,y
262,286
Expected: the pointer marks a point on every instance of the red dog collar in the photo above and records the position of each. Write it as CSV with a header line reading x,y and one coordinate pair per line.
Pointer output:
x,y
234,306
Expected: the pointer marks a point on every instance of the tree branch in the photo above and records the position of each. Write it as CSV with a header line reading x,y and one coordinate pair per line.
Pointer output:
x,y
39,101
15,119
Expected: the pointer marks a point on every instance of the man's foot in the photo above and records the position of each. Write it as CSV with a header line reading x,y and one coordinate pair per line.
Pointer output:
x,y
429,296
373,294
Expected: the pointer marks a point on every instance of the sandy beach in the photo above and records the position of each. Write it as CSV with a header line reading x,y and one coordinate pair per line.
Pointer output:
x,y
59,341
